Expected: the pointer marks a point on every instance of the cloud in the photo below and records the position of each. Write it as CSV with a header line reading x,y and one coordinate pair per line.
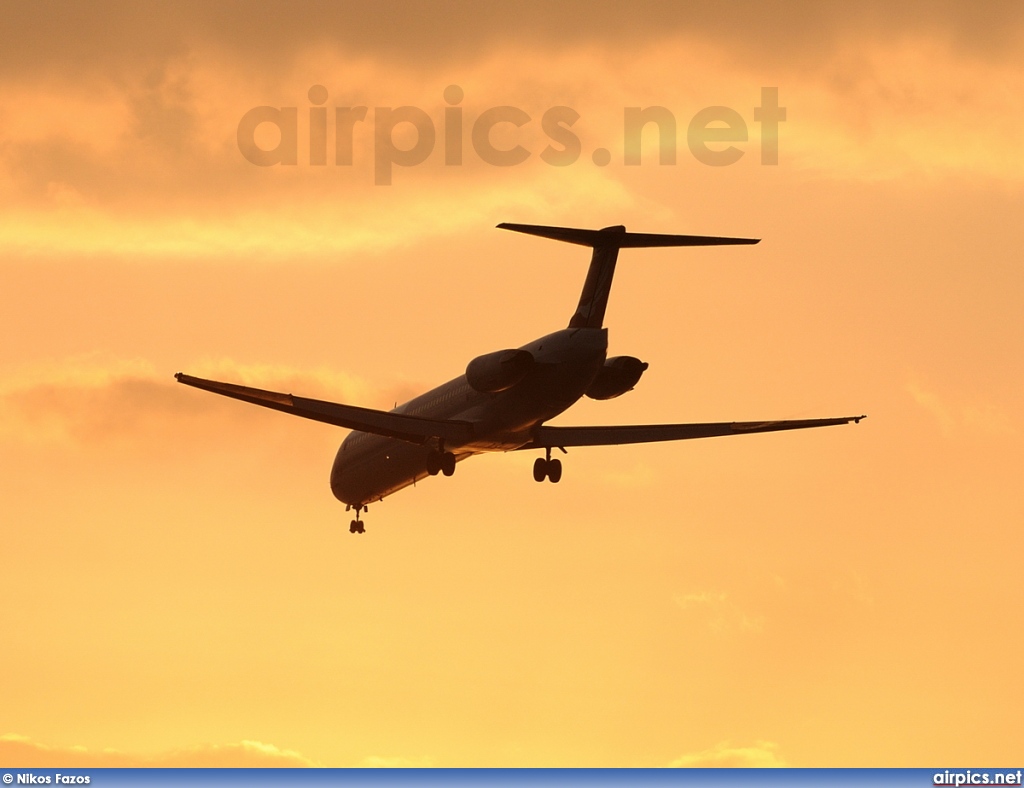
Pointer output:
x,y
879,110
131,151
62,36
16,750
763,754
719,613
20,751
396,762
87,401
974,416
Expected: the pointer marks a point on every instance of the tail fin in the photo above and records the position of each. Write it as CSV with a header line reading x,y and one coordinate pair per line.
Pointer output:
x,y
606,244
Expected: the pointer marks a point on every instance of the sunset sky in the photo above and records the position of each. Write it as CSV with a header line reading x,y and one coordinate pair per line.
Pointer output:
x,y
179,585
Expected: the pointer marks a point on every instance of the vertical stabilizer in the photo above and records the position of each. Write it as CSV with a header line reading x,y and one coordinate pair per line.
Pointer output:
x,y
598,285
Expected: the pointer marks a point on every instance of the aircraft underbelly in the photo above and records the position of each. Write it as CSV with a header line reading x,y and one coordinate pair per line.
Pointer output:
x,y
373,467
382,467
369,467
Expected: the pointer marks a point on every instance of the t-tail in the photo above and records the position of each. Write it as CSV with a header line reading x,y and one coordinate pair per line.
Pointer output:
x,y
606,244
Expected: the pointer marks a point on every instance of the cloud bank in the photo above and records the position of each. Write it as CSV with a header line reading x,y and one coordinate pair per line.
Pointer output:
x,y
22,752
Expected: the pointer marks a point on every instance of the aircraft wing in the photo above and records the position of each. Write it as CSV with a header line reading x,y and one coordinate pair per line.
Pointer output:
x,y
413,429
552,437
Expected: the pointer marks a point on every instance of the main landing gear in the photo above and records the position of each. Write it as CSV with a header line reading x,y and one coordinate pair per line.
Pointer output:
x,y
356,526
440,462
547,468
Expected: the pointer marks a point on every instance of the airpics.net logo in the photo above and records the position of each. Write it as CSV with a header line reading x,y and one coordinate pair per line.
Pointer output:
x,y
711,134
957,778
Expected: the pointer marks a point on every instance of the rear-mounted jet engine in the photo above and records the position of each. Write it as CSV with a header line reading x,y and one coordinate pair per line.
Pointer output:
x,y
618,375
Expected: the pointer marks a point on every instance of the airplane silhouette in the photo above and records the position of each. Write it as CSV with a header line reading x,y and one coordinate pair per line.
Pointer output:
x,y
504,398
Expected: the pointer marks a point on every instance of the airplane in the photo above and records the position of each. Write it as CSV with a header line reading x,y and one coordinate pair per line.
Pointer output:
x,y
504,399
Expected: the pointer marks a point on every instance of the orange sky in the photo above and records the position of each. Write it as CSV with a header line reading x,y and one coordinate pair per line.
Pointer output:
x,y
180,586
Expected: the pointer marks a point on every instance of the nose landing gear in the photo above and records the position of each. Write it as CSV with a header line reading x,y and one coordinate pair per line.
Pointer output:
x,y
356,526
547,468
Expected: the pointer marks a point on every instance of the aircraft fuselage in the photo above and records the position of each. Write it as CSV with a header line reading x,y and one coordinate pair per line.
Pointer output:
x,y
369,467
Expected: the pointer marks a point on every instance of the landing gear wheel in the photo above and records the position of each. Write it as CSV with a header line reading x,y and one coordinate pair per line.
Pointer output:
x,y
447,463
547,468
356,526
434,463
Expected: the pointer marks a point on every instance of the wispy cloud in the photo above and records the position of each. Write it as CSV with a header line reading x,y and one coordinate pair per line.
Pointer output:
x,y
94,401
962,414
720,614
763,754
396,762
20,750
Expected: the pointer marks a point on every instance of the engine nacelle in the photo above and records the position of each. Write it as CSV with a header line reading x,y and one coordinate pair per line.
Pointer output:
x,y
499,370
618,375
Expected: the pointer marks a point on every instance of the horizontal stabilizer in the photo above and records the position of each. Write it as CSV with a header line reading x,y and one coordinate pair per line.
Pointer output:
x,y
619,238
413,429
552,437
